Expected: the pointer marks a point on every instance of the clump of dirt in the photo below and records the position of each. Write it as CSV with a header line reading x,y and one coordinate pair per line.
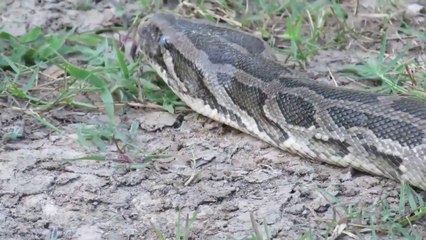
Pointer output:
x,y
219,173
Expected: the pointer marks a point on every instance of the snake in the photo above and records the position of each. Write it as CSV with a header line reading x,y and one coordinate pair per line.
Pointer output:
x,y
234,77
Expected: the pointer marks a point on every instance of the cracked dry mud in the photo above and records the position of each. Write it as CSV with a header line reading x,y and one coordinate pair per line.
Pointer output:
x,y
221,173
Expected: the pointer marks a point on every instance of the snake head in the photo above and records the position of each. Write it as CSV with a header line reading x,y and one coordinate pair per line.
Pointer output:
x,y
158,39
152,38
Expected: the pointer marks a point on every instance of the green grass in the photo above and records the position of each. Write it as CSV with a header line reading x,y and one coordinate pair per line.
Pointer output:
x,y
92,64
12,135
257,233
393,73
183,228
355,220
378,219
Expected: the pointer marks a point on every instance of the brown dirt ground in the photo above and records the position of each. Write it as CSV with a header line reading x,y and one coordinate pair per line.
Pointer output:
x,y
222,174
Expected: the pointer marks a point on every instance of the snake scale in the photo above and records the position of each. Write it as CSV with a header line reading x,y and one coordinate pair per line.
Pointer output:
x,y
232,77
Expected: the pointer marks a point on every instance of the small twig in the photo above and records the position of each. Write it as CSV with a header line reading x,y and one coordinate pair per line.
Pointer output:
x,y
332,77
356,8
118,147
194,173
410,74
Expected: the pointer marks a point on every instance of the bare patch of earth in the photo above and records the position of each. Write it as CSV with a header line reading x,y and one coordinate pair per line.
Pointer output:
x,y
220,173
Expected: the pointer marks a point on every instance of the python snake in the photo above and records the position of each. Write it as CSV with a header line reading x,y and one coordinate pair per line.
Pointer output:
x,y
233,77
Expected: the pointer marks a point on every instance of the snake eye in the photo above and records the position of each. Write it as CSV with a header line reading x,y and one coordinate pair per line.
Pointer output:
x,y
164,42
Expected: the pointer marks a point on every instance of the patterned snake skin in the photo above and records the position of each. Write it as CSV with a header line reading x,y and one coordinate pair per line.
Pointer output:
x,y
232,77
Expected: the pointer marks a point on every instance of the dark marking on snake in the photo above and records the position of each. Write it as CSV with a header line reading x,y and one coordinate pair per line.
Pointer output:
x,y
331,92
359,136
188,72
296,110
410,106
384,128
339,147
251,100
393,160
264,70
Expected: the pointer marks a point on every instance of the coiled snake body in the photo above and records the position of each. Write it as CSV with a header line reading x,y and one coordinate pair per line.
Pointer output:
x,y
232,77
